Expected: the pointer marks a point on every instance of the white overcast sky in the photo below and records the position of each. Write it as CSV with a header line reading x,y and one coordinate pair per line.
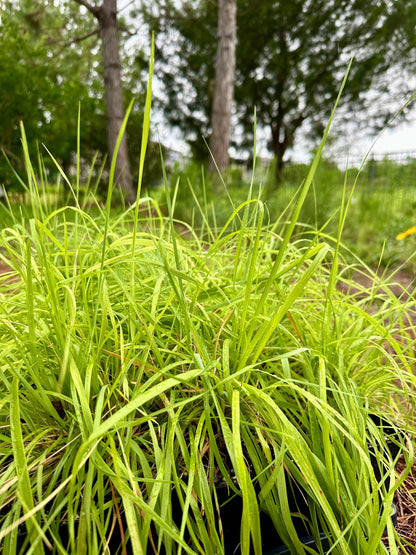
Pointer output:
x,y
401,138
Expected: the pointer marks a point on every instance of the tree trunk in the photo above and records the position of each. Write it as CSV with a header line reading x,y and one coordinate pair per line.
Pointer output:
x,y
106,15
280,145
224,84
283,138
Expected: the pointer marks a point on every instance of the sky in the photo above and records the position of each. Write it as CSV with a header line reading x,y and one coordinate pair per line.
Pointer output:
x,y
399,139
392,140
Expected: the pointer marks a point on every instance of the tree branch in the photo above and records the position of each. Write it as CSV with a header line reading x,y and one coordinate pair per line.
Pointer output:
x,y
9,153
124,29
95,31
93,9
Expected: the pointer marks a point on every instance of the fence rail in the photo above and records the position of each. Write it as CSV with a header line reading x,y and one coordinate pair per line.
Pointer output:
x,y
356,160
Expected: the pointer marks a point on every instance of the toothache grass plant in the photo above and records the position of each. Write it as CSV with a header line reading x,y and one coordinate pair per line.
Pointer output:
x,y
142,371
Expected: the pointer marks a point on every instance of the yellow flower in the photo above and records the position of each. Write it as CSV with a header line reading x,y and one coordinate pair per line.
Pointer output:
x,y
406,233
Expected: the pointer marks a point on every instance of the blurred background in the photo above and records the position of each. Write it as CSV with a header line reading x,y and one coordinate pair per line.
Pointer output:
x,y
234,81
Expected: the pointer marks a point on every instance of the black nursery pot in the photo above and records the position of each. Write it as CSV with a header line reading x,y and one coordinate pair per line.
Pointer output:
x,y
308,541
393,438
231,512
272,544
231,509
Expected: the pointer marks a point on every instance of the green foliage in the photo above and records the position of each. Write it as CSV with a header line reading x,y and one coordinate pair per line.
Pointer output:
x,y
50,63
381,206
143,369
187,73
43,77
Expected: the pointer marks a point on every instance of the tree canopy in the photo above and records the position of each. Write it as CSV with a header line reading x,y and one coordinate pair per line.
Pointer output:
x,y
50,63
45,71
290,59
291,56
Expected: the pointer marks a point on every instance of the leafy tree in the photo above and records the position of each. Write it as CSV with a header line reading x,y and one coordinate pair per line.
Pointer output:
x,y
50,61
42,79
186,41
291,55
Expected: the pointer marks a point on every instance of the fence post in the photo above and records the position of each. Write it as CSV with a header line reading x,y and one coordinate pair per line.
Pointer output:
x,y
372,172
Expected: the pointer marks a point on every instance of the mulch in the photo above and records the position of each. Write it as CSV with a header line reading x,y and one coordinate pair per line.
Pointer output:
x,y
405,501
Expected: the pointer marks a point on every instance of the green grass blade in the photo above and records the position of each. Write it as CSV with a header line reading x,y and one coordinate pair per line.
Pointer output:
x,y
23,480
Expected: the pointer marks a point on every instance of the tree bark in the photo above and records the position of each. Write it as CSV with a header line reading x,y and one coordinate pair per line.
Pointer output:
x,y
279,149
106,14
224,84
283,137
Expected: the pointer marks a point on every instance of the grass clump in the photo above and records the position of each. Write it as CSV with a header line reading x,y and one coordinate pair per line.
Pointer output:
x,y
151,378
139,385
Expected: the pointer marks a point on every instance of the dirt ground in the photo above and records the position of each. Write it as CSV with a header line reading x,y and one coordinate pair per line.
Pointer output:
x,y
401,283
405,501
